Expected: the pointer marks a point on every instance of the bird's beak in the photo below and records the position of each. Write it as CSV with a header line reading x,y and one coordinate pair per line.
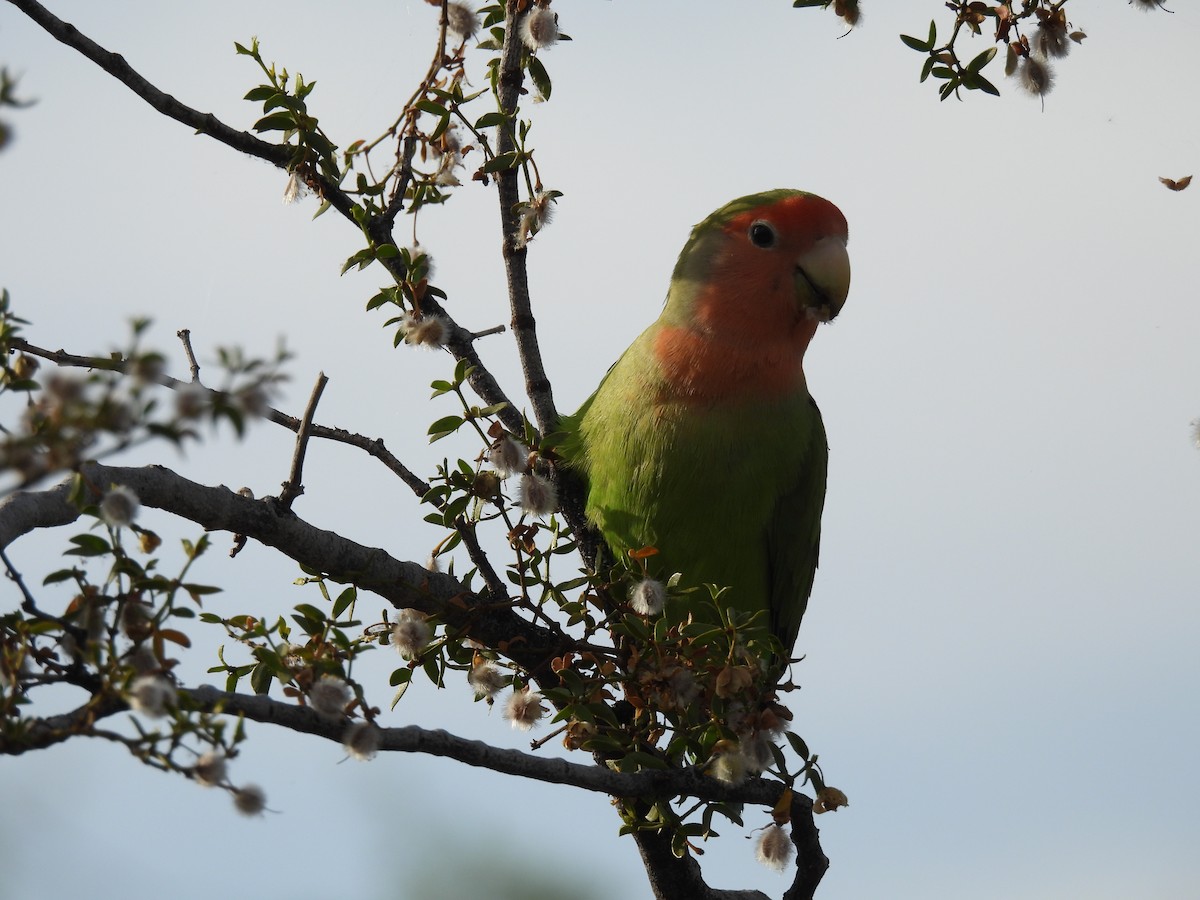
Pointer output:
x,y
822,278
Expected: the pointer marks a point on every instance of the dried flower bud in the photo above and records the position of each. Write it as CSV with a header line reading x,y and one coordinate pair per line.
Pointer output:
x,y
829,799
250,800
1051,39
148,541
24,367
1036,76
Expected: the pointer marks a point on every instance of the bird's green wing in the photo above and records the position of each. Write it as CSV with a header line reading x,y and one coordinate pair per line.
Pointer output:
x,y
794,538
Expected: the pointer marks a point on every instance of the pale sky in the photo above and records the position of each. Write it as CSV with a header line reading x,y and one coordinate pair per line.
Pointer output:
x,y
1001,647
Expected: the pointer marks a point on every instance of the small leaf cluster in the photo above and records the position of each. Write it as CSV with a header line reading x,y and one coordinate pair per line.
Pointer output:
x,y
1044,20
285,108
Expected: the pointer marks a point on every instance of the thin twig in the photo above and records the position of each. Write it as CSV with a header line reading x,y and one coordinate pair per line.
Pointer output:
x,y
487,332
185,335
294,486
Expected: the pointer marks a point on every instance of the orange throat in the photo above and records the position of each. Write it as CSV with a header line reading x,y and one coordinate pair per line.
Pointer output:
x,y
702,368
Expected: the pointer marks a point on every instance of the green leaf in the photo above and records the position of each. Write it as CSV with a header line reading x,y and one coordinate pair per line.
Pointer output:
x,y
261,678
502,162
986,86
916,43
88,545
541,79
260,93
280,121
345,598
981,60
444,427
490,120
60,575
432,108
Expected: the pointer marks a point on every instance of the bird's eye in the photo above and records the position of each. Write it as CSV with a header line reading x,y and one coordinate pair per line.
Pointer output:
x,y
762,234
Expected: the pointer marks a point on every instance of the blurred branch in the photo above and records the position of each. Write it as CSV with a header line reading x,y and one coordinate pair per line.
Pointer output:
x,y
373,446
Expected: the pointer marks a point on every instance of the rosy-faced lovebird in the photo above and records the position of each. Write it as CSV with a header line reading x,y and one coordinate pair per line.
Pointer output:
x,y
702,441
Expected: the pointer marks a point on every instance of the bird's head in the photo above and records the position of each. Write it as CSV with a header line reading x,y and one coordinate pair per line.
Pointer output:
x,y
762,265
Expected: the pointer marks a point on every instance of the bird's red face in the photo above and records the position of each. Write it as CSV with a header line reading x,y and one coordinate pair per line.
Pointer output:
x,y
765,277
783,264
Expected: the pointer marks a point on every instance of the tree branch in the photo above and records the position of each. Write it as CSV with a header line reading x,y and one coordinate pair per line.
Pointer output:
x,y
524,327
403,584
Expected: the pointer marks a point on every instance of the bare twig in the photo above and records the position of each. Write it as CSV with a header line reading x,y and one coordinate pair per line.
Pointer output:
x,y
185,335
294,486
495,329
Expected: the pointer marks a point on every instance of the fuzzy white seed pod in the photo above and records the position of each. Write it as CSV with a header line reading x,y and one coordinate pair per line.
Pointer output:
x,y
774,848
191,401
729,766
1051,39
329,696
1036,76
486,679
210,769
295,189
151,695
537,495
361,741
411,633
525,708
120,506
250,800
756,748
648,597
426,331
508,456
539,28
461,19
